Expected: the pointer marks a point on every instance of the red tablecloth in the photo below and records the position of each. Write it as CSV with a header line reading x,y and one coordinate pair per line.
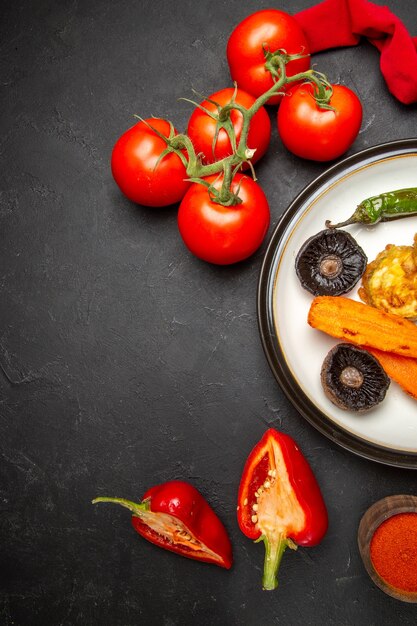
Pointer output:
x,y
336,23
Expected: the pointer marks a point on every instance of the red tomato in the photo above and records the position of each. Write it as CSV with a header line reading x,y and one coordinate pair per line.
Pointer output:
x,y
319,134
133,162
245,52
219,234
202,127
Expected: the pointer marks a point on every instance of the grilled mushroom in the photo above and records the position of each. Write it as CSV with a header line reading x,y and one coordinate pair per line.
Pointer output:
x,y
353,379
330,263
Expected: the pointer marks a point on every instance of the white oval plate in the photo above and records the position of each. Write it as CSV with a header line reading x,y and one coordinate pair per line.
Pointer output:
x,y
296,351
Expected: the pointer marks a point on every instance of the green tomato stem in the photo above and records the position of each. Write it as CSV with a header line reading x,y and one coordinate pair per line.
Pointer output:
x,y
196,170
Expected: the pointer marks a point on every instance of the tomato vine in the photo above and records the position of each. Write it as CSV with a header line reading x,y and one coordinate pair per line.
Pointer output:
x,y
229,131
227,167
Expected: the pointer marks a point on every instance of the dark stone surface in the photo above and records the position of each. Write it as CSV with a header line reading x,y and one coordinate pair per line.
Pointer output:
x,y
124,360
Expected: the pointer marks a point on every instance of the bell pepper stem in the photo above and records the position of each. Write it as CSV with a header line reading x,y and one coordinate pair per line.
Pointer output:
x,y
134,508
273,555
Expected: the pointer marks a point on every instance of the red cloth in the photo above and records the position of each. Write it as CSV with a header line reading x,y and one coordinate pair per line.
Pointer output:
x,y
336,23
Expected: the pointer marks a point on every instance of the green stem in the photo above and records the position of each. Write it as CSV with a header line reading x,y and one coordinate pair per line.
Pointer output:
x,y
273,555
224,112
181,142
323,90
259,102
136,509
214,168
197,170
225,191
322,86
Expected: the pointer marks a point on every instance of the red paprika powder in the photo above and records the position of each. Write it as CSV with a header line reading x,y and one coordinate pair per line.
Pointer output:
x,y
393,551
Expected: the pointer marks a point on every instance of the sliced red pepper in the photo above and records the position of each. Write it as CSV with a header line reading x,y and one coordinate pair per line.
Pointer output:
x,y
279,501
175,516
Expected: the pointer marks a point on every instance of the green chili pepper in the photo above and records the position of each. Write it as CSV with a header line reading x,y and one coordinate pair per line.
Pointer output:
x,y
387,206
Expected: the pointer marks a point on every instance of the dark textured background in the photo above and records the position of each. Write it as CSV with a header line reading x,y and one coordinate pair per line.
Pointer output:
x,y
124,360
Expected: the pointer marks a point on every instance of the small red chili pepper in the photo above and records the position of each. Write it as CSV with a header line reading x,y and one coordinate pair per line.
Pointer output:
x,y
280,502
175,516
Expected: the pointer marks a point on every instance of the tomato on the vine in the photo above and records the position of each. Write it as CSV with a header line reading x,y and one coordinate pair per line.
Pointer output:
x,y
274,30
315,133
224,234
202,127
136,170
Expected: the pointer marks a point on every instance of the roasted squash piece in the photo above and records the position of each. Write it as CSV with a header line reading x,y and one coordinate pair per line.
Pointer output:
x,y
390,281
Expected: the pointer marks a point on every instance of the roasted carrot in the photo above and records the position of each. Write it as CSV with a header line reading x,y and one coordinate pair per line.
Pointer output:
x,y
402,369
363,325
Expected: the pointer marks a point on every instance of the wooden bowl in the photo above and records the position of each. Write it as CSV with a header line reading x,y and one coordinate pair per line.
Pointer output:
x,y
374,516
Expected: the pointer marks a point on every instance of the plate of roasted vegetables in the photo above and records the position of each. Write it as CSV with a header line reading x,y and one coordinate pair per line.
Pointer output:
x,y
337,303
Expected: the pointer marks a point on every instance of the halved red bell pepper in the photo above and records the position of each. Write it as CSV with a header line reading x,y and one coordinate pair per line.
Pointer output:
x,y
175,516
279,501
